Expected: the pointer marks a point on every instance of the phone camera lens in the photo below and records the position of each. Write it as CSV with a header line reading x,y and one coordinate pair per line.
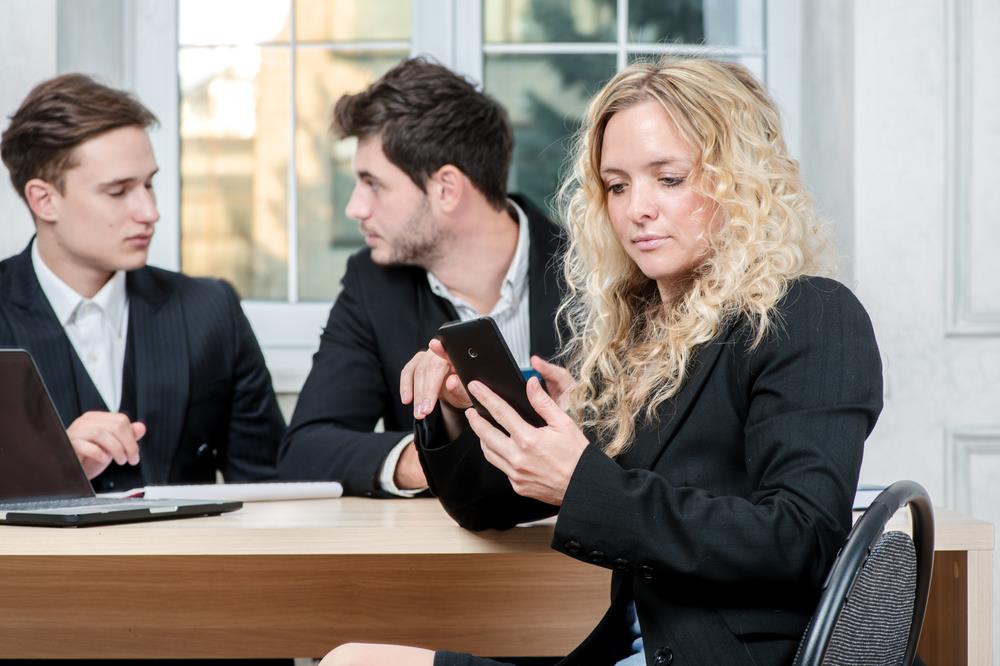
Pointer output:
x,y
473,353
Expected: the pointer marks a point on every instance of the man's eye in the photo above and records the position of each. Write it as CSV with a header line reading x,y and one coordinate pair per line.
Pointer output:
x,y
117,193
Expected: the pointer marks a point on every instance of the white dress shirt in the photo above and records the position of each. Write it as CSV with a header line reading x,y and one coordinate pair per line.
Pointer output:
x,y
96,327
512,316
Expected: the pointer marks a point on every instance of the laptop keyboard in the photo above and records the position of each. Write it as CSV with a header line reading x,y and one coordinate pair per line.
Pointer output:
x,y
68,502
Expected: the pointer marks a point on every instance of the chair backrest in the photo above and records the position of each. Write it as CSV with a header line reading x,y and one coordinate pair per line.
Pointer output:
x,y
873,601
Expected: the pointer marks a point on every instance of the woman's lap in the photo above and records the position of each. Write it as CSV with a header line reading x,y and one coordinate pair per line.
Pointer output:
x,y
460,659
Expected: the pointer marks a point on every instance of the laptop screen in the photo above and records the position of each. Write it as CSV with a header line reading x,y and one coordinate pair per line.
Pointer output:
x,y
36,459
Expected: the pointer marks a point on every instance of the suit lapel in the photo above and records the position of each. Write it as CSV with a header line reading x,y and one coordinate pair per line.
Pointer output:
x,y
543,290
431,310
162,369
672,413
36,328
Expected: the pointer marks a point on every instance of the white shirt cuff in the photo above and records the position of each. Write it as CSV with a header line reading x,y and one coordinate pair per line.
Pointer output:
x,y
386,476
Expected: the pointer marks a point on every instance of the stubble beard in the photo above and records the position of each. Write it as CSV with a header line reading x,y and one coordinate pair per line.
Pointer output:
x,y
419,243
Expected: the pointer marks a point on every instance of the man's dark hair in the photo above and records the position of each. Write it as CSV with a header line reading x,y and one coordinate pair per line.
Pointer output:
x,y
57,116
427,116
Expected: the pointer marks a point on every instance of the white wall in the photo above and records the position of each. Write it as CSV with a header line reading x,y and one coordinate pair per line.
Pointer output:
x,y
926,154
28,55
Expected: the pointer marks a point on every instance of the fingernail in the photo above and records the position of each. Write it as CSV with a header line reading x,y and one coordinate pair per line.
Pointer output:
x,y
425,406
473,387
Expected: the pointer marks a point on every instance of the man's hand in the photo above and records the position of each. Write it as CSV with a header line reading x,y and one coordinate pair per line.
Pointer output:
x,y
429,377
409,473
100,437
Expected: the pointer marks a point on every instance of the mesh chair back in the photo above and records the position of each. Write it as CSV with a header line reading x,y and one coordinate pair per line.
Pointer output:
x,y
874,625
873,602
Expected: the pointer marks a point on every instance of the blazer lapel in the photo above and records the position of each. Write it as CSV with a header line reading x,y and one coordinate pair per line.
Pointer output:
x,y
431,310
673,412
162,370
36,328
544,293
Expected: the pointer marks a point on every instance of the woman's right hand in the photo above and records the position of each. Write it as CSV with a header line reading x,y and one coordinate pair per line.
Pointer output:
x,y
429,377
558,380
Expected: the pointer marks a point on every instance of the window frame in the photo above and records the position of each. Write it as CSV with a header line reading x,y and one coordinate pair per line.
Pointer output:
x,y
448,30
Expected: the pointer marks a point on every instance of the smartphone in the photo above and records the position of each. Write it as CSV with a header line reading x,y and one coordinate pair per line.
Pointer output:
x,y
478,352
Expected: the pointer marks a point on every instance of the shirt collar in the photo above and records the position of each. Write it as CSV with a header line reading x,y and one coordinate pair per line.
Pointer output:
x,y
65,300
517,273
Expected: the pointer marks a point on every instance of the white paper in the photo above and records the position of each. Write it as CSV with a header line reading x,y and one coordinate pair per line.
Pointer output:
x,y
244,492
865,495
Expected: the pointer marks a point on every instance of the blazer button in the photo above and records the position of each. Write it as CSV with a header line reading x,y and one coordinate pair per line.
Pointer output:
x,y
663,656
202,450
596,557
572,547
621,564
646,572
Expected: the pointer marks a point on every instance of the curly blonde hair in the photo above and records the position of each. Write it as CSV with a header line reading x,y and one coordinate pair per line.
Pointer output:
x,y
628,349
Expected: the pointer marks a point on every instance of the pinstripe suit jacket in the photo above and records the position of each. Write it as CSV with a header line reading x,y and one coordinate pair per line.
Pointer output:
x,y
723,517
202,388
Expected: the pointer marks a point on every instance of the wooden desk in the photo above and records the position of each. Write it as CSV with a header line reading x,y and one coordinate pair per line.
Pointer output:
x,y
281,579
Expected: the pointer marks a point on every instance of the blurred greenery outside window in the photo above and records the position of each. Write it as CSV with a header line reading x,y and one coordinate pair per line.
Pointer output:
x,y
545,59
263,185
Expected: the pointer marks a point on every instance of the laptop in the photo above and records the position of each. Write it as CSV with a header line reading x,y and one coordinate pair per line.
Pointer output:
x,y
41,480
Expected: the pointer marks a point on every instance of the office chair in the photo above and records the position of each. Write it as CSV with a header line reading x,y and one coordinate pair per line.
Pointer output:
x,y
872,606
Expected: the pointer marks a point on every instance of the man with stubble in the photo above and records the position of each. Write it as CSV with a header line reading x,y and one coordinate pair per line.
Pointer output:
x,y
444,241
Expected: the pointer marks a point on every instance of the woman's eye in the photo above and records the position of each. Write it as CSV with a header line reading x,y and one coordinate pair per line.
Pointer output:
x,y
671,181
616,188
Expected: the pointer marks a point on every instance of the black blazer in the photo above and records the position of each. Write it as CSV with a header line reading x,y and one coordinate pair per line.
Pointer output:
x,y
722,518
202,388
382,317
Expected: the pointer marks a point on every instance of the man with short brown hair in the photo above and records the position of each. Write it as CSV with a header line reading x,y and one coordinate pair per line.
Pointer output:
x,y
157,376
445,242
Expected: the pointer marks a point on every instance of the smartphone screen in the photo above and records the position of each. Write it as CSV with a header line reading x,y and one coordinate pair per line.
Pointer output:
x,y
478,352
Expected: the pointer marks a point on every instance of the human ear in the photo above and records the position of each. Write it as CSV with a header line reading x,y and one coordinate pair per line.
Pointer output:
x,y
448,187
40,196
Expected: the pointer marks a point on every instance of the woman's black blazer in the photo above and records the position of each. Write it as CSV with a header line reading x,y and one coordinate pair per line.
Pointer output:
x,y
722,518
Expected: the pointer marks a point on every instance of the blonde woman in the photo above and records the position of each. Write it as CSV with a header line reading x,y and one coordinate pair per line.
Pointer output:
x,y
709,448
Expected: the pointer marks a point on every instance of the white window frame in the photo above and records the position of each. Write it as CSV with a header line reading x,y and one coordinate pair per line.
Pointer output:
x,y
448,30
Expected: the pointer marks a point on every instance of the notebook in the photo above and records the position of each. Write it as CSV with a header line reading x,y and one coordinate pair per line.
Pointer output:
x,y
41,480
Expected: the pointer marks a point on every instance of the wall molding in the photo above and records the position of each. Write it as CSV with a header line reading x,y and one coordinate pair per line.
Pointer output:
x,y
962,319
959,447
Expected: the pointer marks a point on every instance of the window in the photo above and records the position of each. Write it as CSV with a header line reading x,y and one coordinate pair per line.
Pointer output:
x,y
544,60
262,188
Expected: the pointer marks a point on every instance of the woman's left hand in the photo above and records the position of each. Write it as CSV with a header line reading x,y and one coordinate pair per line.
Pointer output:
x,y
538,461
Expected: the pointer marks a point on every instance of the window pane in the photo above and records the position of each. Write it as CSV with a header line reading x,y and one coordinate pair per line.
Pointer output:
x,y
232,21
546,96
323,167
234,160
711,22
506,21
351,20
